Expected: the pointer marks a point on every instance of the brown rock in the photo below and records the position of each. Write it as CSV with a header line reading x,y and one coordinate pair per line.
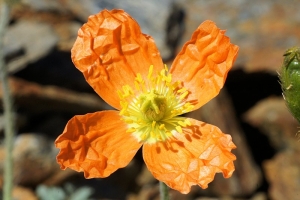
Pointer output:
x,y
259,196
283,174
21,193
37,98
35,161
273,118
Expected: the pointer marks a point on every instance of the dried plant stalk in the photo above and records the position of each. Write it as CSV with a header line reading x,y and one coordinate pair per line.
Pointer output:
x,y
9,124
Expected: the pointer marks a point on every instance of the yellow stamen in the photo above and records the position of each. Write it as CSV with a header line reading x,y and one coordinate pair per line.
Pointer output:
x,y
130,130
179,129
151,109
139,78
166,68
137,85
150,72
182,96
161,127
153,124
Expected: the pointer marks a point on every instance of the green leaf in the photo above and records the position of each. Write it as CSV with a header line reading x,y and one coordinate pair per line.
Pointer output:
x,y
50,193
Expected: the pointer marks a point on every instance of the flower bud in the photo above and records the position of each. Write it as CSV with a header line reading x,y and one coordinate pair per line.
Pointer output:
x,y
290,80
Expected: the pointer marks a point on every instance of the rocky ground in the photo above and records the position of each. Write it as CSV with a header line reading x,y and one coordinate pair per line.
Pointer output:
x,y
48,90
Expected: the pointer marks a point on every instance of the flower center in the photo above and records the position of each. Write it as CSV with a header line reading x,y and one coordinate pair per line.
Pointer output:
x,y
153,105
151,109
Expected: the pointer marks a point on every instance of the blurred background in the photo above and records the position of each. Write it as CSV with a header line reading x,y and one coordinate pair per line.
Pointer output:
x,y
48,91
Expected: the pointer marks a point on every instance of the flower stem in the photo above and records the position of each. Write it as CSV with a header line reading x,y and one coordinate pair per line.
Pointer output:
x,y
164,191
9,125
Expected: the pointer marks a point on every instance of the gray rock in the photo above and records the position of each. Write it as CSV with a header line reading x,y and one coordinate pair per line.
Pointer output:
x,y
34,158
151,15
67,32
44,5
26,42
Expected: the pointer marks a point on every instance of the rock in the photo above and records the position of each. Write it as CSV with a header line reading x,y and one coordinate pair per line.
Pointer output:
x,y
262,30
22,193
34,159
145,13
32,96
18,192
283,174
259,196
44,5
273,118
67,32
26,42
53,14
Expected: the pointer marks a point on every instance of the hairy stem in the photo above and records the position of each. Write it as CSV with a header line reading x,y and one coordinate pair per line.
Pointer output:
x,y
164,191
9,125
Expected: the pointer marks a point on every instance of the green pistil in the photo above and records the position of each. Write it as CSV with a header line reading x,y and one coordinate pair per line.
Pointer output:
x,y
153,106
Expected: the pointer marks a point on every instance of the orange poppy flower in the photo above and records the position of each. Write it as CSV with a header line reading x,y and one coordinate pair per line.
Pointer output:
x,y
124,67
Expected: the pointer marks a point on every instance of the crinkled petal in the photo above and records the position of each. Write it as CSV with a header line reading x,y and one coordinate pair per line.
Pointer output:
x,y
96,144
192,157
110,50
203,63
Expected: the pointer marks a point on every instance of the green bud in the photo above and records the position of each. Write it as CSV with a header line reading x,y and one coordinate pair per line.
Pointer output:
x,y
290,80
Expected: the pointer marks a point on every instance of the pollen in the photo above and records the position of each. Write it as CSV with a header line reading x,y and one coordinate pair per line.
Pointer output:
x,y
153,107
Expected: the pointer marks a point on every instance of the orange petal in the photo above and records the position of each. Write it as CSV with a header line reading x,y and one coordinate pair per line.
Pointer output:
x,y
110,50
96,144
192,157
203,63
